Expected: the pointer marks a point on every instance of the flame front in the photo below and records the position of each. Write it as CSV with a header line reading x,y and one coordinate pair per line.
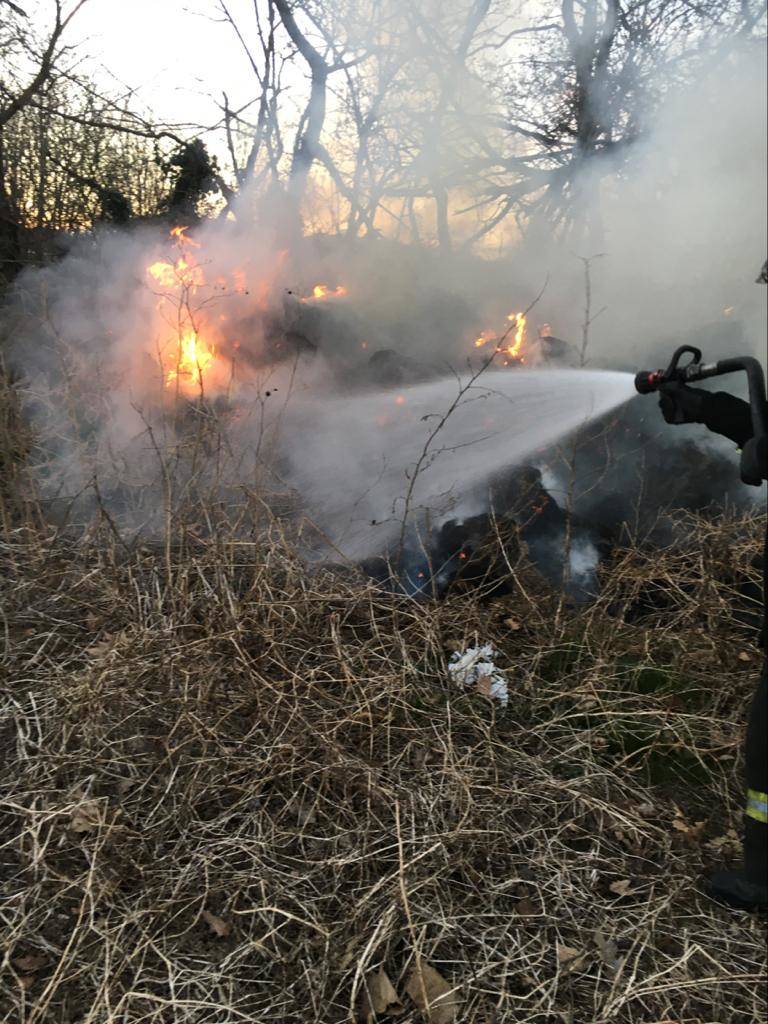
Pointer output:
x,y
515,348
181,273
194,358
192,330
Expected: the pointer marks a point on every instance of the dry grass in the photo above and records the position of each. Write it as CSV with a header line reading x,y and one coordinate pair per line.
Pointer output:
x,y
234,789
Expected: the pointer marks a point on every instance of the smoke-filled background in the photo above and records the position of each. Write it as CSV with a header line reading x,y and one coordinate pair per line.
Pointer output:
x,y
291,302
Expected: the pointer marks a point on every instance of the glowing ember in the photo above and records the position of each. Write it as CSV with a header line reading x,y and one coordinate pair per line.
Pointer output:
x,y
484,337
321,292
194,358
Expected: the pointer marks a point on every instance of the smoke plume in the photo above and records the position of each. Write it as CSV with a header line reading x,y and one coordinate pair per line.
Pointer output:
x,y
296,404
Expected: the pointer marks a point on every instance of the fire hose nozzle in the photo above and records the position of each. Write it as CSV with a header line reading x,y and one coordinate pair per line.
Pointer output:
x,y
648,381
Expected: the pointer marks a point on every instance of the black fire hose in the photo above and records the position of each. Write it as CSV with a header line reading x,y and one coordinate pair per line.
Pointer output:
x,y
648,381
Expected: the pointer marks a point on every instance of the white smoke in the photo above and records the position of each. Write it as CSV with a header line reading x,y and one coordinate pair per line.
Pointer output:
x,y
685,237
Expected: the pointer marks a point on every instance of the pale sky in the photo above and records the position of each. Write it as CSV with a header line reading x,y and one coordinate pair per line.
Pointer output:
x,y
175,53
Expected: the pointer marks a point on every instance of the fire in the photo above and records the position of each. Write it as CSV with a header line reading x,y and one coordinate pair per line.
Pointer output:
x,y
321,292
194,359
193,330
163,273
484,337
516,347
179,234
182,272
185,271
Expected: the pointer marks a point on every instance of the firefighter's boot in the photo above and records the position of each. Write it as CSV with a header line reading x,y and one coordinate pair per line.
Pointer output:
x,y
747,888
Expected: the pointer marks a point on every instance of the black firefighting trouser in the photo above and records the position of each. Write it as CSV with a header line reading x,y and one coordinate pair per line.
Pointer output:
x,y
756,764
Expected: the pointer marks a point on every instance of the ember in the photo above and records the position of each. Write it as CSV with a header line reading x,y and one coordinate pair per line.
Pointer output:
x,y
321,292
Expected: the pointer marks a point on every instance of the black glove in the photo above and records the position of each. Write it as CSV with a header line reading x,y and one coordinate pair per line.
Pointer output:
x,y
681,404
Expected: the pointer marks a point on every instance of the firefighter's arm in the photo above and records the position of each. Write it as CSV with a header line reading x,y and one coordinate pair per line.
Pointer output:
x,y
720,412
727,415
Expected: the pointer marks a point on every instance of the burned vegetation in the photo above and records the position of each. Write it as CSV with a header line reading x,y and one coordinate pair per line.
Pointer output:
x,y
244,781
369,652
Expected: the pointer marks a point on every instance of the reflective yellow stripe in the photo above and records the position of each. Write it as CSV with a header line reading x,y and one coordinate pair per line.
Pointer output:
x,y
757,805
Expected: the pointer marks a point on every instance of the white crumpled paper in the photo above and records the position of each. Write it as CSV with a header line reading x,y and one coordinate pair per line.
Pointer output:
x,y
475,669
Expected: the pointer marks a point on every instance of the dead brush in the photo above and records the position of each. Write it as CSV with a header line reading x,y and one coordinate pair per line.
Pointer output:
x,y
239,790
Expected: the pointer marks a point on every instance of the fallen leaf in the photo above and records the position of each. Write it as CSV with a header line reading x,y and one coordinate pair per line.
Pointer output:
x,y
86,817
513,624
622,887
442,1005
570,959
744,656
379,997
729,840
483,685
609,951
101,647
26,981
349,954
216,924
29,963
566,953
692,832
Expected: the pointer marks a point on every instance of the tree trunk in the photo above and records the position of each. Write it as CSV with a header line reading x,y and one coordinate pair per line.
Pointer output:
x,y
10,231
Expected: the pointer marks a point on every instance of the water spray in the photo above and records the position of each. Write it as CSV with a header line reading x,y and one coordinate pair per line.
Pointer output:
x,y
648,381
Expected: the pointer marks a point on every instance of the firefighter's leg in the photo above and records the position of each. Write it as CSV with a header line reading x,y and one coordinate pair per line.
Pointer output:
x,y
749,886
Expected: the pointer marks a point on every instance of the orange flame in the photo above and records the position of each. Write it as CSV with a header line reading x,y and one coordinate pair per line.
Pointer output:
x,y
180,234
321,292
194,359
163,273
484,337
519,321
168,275
514,349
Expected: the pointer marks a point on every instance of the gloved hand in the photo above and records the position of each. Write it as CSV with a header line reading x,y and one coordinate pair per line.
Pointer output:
x,y
681,404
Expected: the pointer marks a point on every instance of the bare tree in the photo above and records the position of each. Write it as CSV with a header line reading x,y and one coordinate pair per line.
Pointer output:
x,y
15,99
17,92
585,91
